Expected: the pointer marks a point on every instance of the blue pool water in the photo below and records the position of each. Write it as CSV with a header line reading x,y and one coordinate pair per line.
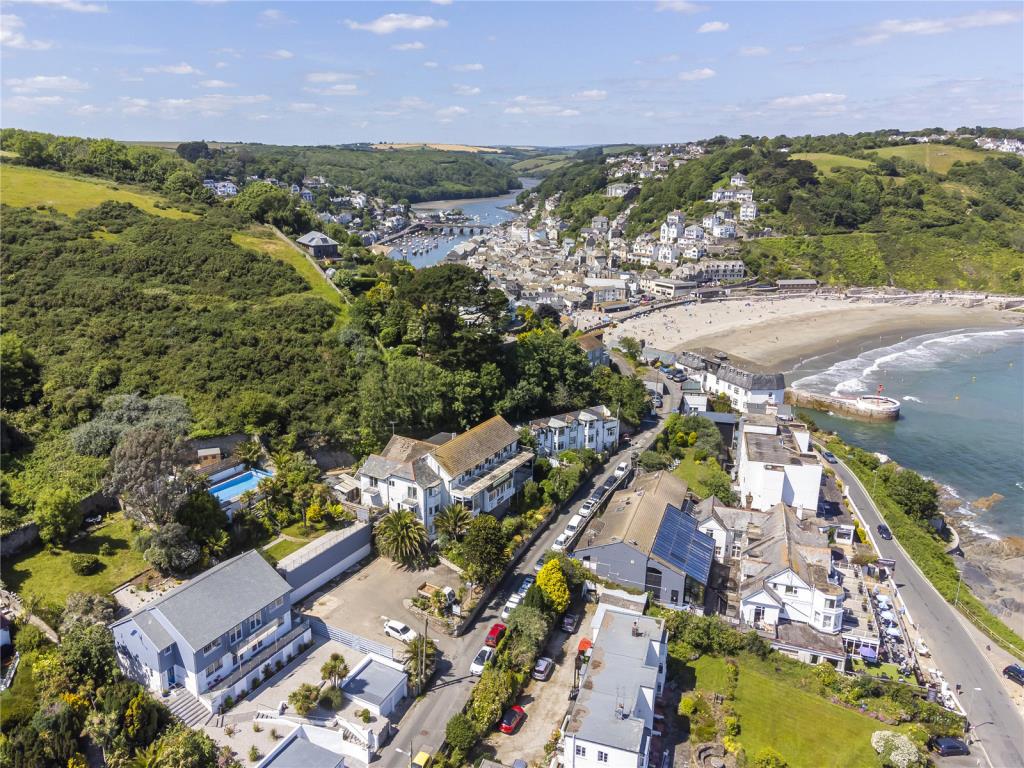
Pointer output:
x,y
236,486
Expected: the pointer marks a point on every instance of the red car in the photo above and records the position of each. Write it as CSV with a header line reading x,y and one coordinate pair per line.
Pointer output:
x,y
495,635
512,719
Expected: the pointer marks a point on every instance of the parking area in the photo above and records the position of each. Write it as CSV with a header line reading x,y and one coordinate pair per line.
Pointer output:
x,y
546,701
381,590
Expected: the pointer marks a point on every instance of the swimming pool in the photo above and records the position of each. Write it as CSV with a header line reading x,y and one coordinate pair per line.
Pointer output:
x,y
231,489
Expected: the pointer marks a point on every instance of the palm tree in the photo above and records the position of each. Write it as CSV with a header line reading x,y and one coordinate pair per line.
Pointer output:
x,y
453,521
250,451
401,537
420,659
334,669
151,756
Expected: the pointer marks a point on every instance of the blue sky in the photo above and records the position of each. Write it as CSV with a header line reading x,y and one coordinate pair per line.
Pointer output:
x,y
531,73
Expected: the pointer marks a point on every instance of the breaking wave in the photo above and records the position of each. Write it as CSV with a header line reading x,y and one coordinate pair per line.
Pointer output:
x,y
919,353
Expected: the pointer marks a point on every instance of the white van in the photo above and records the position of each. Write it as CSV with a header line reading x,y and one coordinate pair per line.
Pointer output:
x,y
573,525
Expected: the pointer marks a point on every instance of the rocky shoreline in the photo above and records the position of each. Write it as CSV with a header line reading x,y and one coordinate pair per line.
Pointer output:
x,y
992,567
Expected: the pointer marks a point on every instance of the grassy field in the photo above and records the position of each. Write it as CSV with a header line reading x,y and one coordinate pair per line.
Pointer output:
x,y
49,575
25,187
541,165
262,239
938,158
775,713
442,147
825,161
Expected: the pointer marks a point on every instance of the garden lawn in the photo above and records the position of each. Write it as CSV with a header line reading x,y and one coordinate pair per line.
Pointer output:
x,y
807,730
938,158
262,239
825,161
283,548
18,703
49,575
693,473
25,187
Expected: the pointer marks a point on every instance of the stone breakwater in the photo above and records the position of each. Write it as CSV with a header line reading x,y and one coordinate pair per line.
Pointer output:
x,y
865,407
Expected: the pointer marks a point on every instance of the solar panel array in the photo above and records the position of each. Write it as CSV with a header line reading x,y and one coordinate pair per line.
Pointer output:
x,y
680,543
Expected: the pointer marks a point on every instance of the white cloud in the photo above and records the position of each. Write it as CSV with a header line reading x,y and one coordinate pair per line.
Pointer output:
x,y
680,6
174,69
221,64
441,2
979,19
594,94
468,67
75,6
808,100
393,22
273,17
216,84
447,114
416,45
529,105
207,105
11,35
338,89
713,26
45,83
467,90
281,54
328,77
755,50
430,64
308,108
697,74
30,104
86,110
130,106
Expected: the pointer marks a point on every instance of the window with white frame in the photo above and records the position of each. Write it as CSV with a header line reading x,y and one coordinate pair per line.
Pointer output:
x,y
790,589
214,667
581,751
236,634
255,622
210,646
602,757
278,603
737,548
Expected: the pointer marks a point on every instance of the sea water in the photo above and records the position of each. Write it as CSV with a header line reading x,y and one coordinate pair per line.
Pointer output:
x,y
962,413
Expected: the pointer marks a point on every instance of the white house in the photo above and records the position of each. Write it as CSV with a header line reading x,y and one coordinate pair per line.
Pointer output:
x,y
732,528
694,251
709,221
610,723
214,633
776,464
693,232
738,180
744,388
482,469
719,269
748,211
672,229
619,190
595,428
668,253
744,195
725,230
788,588
722,195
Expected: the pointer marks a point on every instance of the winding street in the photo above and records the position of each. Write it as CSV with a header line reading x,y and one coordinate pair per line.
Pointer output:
x,y
997,723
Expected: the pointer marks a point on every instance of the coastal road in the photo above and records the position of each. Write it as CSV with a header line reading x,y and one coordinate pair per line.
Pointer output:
x,y
423,726
990,710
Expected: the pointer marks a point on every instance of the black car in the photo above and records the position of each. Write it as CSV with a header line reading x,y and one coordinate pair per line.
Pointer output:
x,y
947,746
1014,672
571,622
884,532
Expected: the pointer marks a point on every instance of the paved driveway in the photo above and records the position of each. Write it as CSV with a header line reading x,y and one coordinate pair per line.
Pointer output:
x,y
361,602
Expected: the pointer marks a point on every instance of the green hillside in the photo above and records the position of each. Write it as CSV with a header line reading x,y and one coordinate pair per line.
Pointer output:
x,y
825,162
937,158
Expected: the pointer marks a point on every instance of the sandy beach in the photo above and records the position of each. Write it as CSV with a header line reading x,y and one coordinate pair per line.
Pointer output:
x,y
779,333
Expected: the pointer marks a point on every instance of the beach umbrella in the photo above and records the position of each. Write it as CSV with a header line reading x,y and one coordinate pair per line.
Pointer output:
x,y
868,653
882,599
888,615
893,632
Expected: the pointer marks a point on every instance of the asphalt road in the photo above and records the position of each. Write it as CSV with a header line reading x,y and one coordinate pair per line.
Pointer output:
x,y
422,727
989,708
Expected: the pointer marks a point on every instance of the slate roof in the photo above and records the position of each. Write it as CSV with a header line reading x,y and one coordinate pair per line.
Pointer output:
x,y
593,413
465,451
208,606
302,753
315,238
788,542
634,515
374,683
747,380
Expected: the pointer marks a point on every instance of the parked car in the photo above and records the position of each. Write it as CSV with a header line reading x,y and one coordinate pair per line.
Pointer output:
x,y
480,660
947,746
588,507
512,719
829,457
571,622
574,524
884,532
510,606
494,636
560,542
1014,672
422,760
399,631
621,469
541,560
543,668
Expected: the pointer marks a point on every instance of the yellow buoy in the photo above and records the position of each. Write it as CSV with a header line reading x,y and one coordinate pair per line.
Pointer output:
x,y
957,397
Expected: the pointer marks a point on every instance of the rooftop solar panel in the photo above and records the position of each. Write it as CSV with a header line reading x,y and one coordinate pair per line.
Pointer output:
x,y
680,543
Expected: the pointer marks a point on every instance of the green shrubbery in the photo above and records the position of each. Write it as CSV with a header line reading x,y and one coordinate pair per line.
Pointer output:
x,y
85,565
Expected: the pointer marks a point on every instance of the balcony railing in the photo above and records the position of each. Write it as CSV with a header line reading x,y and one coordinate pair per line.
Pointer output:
x,y
256,662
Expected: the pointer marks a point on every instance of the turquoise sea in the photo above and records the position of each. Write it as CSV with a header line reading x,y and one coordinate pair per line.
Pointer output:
x,y
962,413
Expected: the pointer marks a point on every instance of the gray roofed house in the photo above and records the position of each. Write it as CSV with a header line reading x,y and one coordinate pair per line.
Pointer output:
x,y
302,753
620,685
377,685
318,245
213,632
